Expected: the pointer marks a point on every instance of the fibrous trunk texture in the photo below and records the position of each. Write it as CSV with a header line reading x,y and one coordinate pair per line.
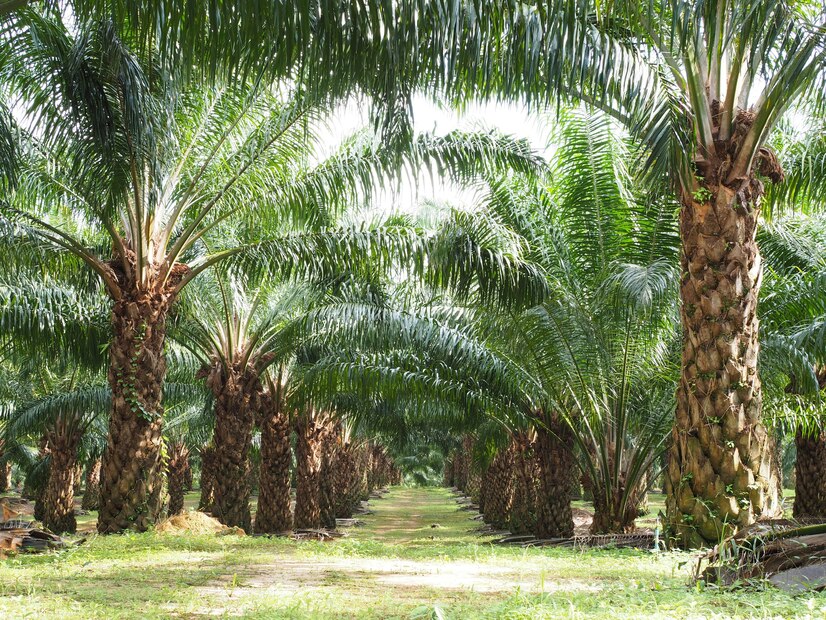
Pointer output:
x,y
611,514
5,470
461,468
35,486
499,494
328,493
362,488
176,476
237,394
207,481
5,477
522,517
91,491
59,495
187,476
132,479
447,475
810,475
554,518
722,471
347,481
307,476
273,515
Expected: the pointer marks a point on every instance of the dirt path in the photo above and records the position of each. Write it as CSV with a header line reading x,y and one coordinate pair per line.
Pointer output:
x,y
412,531
418,517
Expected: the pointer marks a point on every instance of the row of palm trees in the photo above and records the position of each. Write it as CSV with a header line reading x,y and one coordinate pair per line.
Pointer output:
x,y
131,156
581,385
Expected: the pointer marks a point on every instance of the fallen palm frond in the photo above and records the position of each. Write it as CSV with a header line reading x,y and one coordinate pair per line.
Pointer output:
x,y
637,540
787,553
18,536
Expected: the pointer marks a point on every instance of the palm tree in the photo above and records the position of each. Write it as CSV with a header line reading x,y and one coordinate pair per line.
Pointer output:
x,y
716,80
682,77
154,174
792,358
570,369
273,513
234,339
63,407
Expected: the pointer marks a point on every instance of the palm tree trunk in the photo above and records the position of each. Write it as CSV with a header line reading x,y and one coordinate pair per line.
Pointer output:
x,y
78,477
447,475
91,492
35,488
5,477
176,476
328,493
307,477
362,470
207,481
722,472
611,517
522,517
59,495
348,491
132,479
273,515
499,496
810,475
237,398
5,471
187,475
554,518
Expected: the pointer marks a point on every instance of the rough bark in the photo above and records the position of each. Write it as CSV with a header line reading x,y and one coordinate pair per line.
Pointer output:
x,y
207,481
59,494
273,515
722,472
34,487
5,471
522,514
237,393
447,475
132,480
499,496
328,492
307,476
554,518
810,475
187,474
610,517
176,476
615,512
362,468
347,482
5,477
91,491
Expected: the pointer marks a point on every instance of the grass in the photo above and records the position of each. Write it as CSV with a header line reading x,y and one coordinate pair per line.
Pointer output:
x,y
397,566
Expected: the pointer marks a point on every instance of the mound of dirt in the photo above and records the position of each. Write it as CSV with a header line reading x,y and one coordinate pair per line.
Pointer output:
x,y
15,508
582,521
194,522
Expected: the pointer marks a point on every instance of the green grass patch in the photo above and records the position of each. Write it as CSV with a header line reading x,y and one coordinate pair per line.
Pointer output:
x,y
396,566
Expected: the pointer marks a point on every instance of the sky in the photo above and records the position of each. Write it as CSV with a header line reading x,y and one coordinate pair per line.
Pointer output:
x,y
511,119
